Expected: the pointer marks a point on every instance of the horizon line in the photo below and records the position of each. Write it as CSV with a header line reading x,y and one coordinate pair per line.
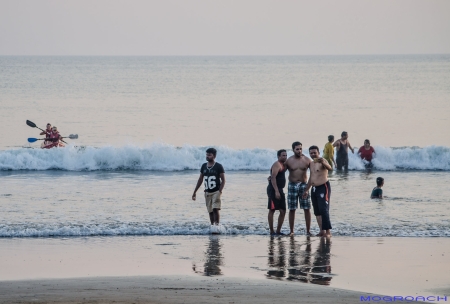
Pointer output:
x,y
290,55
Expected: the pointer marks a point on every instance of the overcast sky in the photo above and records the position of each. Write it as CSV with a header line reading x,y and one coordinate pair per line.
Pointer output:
x,y
213,27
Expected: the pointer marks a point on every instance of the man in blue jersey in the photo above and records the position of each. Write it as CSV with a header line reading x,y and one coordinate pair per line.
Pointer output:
x,y
212,175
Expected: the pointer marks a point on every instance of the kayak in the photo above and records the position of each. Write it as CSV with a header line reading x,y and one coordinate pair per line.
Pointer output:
x,y
49,145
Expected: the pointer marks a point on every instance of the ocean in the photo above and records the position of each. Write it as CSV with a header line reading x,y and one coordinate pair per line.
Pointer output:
x,y
144,124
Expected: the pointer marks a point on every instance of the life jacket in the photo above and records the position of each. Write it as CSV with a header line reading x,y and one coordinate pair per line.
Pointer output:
x,y
54,136
48,133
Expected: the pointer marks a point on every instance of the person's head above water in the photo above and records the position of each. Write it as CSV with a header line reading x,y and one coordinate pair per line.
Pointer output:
x,y
211,154
330,138
297,147
367,143
49,126
282,155
344,135
380,181
55,129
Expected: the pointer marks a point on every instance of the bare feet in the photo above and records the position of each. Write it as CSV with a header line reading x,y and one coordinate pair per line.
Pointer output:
x,y
291,234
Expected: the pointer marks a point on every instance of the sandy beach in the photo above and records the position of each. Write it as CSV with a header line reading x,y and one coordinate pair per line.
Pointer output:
x,y
223,269
170,289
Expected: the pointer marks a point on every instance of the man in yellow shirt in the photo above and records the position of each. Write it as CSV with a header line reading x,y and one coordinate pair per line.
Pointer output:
x,y
328,151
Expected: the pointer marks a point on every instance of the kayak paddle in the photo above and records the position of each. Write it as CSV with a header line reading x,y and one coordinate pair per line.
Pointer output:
x,y
33,125
71,136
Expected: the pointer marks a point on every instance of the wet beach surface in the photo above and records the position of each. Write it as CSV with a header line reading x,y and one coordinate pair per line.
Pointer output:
x,y
387,266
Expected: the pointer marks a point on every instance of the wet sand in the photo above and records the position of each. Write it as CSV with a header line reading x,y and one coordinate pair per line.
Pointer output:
x,y
225,269
170,289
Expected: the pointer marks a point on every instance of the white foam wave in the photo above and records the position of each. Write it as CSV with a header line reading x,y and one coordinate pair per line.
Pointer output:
x,y
164,157
126,228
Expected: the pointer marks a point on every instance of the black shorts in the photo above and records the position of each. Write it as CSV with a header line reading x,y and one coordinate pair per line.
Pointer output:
x,y
320,197
274,203
342,162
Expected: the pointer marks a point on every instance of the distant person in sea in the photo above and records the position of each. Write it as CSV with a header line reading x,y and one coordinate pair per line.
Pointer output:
x,y
275,192
377,192
321,190
212,175
342,145
297,165
366,153
328,151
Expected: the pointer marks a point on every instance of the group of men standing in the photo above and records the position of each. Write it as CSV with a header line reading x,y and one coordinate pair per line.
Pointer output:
x,y
212,175
298,189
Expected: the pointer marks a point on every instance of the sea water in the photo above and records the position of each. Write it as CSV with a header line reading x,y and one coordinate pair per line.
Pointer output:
x,y
144,124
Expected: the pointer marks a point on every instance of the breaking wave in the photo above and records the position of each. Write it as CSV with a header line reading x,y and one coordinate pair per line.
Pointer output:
x,y
164,157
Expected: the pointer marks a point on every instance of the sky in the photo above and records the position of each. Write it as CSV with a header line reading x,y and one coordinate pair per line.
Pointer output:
x,y
232,27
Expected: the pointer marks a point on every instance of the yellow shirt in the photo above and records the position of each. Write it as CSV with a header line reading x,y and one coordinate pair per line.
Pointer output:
x,y
328,151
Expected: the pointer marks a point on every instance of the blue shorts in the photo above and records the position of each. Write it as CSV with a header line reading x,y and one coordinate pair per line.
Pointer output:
x,y
295,192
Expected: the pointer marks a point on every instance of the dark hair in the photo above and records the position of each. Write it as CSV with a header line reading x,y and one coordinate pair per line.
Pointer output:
x,y
295,144
330,137
344,133
380,180
280,151
366,140
314,147
212,151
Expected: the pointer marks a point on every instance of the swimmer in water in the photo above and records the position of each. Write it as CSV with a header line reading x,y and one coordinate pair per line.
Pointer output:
x,y
377,192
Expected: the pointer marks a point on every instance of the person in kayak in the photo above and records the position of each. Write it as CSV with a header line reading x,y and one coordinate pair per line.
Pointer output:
x,y
55,137
47,133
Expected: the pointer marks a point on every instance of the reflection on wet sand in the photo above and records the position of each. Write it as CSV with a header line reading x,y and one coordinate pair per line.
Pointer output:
x,y
212,260
277,255
304,265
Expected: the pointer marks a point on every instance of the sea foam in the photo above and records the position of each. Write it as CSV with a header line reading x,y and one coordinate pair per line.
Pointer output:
x,y
164,157
8,230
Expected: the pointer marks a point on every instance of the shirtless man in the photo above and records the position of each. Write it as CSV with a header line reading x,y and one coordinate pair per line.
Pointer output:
x,y
342,146
321,190
297,165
